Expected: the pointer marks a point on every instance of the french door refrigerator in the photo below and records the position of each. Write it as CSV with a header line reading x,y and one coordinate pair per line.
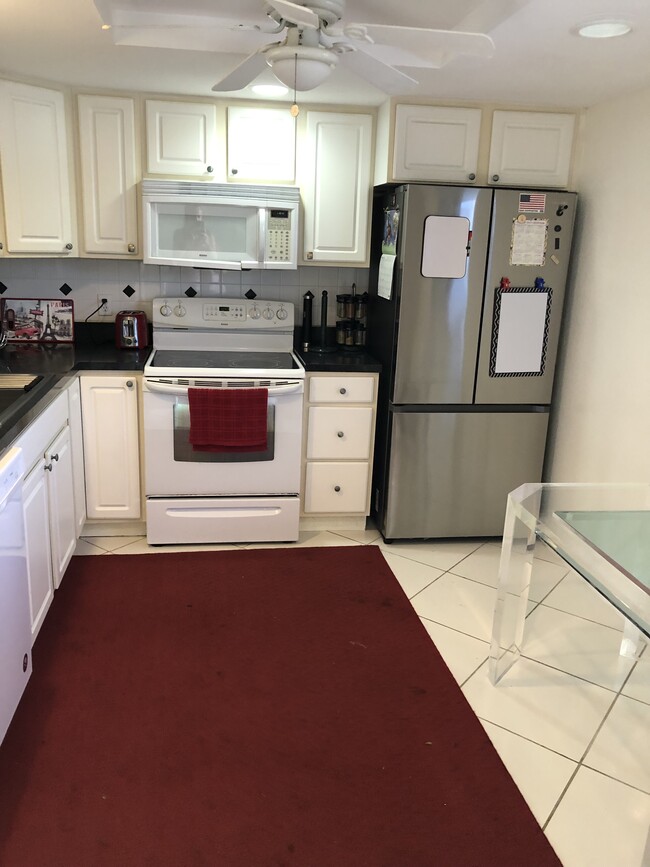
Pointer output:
x,y
465,306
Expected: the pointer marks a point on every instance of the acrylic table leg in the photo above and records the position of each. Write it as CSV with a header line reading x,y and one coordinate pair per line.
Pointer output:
x,y
515,570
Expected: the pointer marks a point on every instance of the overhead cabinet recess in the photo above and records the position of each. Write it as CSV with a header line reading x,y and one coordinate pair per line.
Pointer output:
x,y
36,181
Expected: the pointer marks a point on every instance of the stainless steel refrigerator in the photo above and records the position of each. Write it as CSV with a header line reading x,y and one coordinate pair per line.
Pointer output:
x,y
465,307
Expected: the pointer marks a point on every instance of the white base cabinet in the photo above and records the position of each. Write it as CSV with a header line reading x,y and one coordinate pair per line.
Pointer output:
x,y
340,424
111,444
49,506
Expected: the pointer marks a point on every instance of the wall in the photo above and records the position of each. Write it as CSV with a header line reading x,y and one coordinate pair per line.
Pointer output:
x,y
600,427
88,278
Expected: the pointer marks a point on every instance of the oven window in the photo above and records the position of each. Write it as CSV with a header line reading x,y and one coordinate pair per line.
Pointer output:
x,y
184,451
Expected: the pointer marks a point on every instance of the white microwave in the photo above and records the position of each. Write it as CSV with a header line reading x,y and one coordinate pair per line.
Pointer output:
x,y
205,225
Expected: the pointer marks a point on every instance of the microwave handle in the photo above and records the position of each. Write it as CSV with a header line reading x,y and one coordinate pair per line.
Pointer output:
x,y
168,388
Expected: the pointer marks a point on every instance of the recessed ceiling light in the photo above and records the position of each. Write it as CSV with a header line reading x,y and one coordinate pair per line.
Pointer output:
x,y
106,26
269,89
604,29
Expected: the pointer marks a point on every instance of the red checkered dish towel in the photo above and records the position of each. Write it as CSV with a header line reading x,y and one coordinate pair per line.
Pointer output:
x,y
228,419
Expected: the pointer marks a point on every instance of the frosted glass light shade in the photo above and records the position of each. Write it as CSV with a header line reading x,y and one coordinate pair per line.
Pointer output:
x,y
302,68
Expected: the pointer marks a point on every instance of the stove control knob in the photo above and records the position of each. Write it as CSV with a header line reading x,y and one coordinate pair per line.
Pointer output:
x,y
282,313
166,310
179,310
255,312
268,313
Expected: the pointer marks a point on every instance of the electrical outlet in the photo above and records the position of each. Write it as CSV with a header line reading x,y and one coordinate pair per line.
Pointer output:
x,y
107,308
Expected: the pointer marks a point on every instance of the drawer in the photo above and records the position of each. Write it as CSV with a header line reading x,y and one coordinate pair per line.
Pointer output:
x,y
339,432
322,481
341,389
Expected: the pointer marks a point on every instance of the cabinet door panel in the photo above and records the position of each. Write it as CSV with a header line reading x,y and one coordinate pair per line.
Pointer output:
x,y
63,525
35,176
181,138
37,530
337,189
108,174
111,447
436,143
531,148
261,144
339,432
76,442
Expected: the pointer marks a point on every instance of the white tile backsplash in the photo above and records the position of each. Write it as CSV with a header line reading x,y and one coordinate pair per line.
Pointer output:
x,y
88,278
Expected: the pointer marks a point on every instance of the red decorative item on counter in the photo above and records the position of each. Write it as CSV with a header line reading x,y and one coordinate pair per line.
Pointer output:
x,y
228,419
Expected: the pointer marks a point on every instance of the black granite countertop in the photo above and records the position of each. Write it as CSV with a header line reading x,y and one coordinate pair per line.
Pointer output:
x,y
336,359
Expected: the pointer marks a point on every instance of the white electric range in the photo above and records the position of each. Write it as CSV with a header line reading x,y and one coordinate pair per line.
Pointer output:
x,y
203,496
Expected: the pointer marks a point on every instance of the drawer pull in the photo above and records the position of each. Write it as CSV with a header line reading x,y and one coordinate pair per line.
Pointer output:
x,y
343,391
337,488
54,457
340,434
48,468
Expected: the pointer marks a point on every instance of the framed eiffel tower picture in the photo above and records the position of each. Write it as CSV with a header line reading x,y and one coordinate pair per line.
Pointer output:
x,y
39,320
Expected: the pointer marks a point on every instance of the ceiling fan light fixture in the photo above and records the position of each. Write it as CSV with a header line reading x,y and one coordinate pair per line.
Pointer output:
x,y
302,68
603,29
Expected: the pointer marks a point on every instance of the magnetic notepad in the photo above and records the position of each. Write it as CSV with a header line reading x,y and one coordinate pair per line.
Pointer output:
x,y
444,248
520,331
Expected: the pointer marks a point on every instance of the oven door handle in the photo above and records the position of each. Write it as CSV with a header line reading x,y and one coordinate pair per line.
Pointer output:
x,y
168,388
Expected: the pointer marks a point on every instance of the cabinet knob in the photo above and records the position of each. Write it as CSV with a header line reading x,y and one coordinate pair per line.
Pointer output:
x,y
131,248
209,169
495,177
337,488
472,176
234,171
54,457
1,246
343,391
129,383
68,246
48,468
340,434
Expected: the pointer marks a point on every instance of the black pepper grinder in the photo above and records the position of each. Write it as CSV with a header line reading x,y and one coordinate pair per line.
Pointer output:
x,y
306,320
323,327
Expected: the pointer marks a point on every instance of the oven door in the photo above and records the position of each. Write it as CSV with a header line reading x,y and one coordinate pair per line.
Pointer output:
x,y
173,468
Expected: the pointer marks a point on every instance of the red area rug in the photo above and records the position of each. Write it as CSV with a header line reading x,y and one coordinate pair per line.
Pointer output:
x,y
249,709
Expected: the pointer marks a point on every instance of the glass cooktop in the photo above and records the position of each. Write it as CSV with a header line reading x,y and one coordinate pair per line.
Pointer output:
x,y
210,359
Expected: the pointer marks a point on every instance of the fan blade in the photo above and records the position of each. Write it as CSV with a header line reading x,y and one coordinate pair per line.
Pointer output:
x,y
417,46
242,75
296,14
383,76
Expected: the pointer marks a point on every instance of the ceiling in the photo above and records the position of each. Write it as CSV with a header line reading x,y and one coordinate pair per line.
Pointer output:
x,y
538,61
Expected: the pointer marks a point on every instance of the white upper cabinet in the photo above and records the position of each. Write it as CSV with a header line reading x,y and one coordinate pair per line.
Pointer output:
x,y
108,175
531,149
261,144
37,191
182,139
436,143
337,187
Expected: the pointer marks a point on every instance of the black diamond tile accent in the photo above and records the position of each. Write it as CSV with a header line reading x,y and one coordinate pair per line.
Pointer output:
x,y
3,288
250,294
190,292
65,289
128,291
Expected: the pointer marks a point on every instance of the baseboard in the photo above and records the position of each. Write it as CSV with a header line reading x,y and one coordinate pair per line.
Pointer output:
x,y
114,528
333,524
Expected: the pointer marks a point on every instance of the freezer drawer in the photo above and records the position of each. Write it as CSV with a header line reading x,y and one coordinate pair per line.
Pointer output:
x,y
450,473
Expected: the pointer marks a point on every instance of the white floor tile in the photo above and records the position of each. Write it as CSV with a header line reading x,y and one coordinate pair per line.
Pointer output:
x,y
540,774
462,653
600,823
581,647
483,566
576,596
412,576
638,686
363,537
140,546
622,746
459,603
308,539
442,555
111,543
85,547
546,706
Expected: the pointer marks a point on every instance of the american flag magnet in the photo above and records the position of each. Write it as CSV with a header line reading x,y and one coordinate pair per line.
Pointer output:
x,y
532,202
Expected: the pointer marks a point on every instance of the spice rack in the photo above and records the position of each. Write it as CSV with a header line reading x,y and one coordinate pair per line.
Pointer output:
x,y
351,320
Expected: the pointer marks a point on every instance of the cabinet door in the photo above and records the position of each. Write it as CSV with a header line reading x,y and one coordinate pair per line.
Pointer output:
x,y
76,441
531,148
261,144
111,446
108,175
35,177
181,138
436,143
37,530
60,494
337,187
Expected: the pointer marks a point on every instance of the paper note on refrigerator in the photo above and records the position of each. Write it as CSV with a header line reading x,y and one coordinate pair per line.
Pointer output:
x,y
385,281
528,245
521,333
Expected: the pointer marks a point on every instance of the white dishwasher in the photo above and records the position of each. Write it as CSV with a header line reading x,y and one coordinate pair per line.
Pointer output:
x,y
15,631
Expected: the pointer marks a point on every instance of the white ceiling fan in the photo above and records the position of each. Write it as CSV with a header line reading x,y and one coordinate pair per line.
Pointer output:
x,y
316,38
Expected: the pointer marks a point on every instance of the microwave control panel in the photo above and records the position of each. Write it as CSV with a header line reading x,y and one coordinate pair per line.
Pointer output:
x,y
278,235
